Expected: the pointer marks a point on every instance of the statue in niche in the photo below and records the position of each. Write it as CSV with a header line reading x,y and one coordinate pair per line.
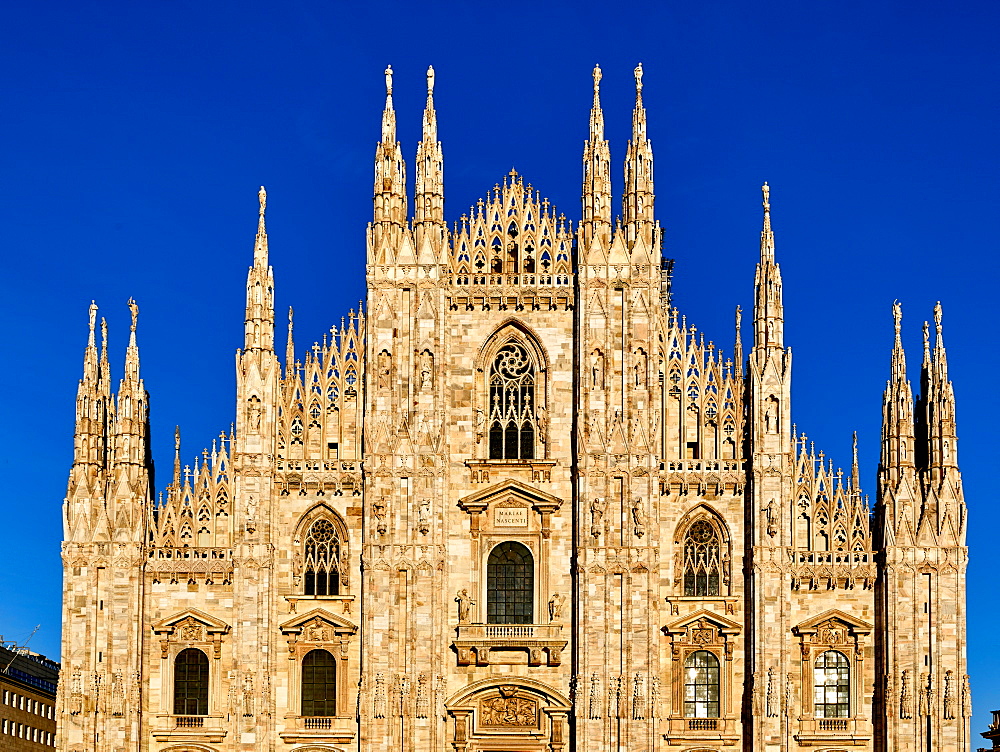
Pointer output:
x,y
556,607
465,604
251,525
542,418
639,517
426,366
771,518
424,516
254,413
480,424
383,373
379,509
640,368
597,369
597,507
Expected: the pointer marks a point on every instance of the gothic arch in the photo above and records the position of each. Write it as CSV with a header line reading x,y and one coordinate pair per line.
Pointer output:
x,y
693,557
331,574
512,394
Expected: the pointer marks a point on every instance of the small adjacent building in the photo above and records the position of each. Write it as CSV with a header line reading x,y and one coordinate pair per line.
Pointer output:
x,y
28,683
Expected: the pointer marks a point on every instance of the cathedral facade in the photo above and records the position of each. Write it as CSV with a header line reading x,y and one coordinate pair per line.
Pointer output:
x,y
516,503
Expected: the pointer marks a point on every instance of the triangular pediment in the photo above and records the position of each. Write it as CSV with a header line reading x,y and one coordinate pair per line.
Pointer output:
x,y
720,622
192,617
851,622
318,618
511,487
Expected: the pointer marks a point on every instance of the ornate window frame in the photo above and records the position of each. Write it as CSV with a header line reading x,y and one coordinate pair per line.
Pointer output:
x,y
702,512
845,634
510,511
190,629
714,633
318,512
512,331
318,629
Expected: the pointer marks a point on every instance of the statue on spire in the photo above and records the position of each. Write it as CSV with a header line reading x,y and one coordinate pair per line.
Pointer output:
x,y
766,190
430,80
134,308
897,315
262,197
388,80
597,79
638,80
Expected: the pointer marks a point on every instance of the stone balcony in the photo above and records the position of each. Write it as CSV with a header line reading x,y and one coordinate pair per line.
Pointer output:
x,y
541,644
189,728
702,731
318,730
842,732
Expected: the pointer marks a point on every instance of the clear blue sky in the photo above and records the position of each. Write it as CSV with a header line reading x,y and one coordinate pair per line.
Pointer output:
x,y
134,137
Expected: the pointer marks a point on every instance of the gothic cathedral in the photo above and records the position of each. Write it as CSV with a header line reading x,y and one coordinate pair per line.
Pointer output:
x,y
515,503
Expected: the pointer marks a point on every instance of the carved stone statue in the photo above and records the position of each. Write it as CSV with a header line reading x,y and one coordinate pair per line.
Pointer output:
x,y
542,417
556,607
424,516
426,369
379,509
384,370
597,507
465,604
639,517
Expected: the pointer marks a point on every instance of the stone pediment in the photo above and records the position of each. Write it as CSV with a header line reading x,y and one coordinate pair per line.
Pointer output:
x,y
704,615
510,488
315,622
829,620
189,621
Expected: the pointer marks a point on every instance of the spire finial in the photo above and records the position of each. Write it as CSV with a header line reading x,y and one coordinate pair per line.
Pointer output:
x,y
289,345
388,84
937,318
927,343
597,81
638,81
260,246
134,310
766,191
855,475
93,319
897,315
104,337
430,82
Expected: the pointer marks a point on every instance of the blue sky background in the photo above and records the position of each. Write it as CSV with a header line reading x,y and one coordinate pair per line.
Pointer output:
x,y
134,137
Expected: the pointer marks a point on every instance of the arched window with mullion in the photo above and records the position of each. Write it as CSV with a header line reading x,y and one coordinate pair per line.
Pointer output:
x,y
832,685
191,683
512,404
702,559
701,685
319,684
510,584
322,558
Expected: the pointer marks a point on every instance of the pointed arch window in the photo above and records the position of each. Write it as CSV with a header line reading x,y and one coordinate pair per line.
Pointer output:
x,y
322,556
702,560
510,584
701,685
191,683
512,404
319,684
832,685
